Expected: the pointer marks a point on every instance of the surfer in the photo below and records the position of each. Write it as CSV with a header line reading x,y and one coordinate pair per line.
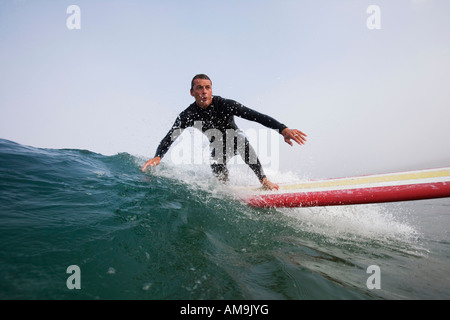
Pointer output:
x,y
216,114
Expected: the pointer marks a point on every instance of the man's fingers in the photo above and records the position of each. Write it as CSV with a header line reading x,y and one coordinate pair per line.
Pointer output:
x,y
298,136
294,134
151,163
146,165
288,141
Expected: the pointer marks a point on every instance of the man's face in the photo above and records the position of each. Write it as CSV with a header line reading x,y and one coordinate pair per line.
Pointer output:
x,y
202,92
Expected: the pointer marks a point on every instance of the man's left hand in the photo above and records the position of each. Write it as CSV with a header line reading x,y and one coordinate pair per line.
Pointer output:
x,y
293,134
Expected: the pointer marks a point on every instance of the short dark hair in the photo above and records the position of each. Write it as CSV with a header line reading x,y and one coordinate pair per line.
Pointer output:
x,y
199,76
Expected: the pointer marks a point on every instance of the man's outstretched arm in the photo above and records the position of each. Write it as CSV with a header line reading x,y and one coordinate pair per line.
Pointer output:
x,y
164,145
269,122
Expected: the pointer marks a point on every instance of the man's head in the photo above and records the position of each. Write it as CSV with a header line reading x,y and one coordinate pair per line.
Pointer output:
x,y
201,90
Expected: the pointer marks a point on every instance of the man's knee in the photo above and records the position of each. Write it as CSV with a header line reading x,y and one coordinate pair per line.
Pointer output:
x,y
220,171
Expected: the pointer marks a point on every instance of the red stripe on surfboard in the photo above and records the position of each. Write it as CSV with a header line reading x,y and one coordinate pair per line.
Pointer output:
x,y
352,196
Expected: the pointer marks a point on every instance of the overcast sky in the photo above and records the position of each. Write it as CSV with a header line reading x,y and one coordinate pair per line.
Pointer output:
x,y
370,88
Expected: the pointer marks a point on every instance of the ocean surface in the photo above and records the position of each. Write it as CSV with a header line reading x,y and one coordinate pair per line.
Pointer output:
x,y
75,224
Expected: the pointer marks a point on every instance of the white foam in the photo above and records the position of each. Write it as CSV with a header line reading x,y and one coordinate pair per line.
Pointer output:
x,y
356,223
369,222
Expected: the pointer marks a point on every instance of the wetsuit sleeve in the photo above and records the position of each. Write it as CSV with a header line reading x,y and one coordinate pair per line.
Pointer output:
x,y
170,137
252,115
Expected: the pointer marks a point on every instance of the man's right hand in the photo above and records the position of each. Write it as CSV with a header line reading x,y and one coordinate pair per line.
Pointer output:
x,y
151,163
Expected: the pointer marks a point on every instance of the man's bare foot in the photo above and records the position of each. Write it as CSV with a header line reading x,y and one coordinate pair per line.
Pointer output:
x,y
269,185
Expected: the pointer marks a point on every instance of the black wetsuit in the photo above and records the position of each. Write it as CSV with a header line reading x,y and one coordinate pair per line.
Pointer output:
x,y
219,116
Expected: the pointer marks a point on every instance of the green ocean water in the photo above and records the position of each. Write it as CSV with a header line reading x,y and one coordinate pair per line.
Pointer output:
x,y
174,233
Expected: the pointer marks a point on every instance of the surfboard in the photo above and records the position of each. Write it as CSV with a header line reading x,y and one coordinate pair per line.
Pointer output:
x,y
376,188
